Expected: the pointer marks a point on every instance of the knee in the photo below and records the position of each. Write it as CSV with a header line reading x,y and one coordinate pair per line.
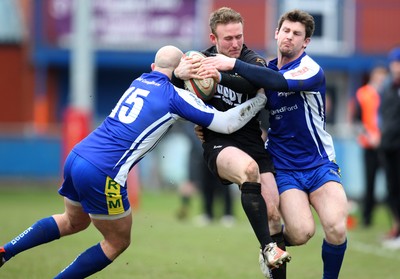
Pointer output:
x,y
301,239
119,245
115,246
124,244
252,172
68,226
335,233
77,227
299,236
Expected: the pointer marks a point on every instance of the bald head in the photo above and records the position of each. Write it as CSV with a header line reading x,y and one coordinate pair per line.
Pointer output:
x,y
167,59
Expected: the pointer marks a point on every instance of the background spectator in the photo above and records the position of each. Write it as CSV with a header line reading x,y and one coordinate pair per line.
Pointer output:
x,y
367,102
390,144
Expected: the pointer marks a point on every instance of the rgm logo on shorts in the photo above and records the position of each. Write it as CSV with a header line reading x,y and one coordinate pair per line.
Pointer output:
x,y
113,196
25,232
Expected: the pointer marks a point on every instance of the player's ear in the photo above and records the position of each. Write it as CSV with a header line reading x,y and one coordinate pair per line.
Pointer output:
x,y
276,33
306,42
213,38
152,66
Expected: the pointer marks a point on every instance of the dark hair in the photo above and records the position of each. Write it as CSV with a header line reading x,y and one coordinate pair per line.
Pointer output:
x,y
224,15
299,16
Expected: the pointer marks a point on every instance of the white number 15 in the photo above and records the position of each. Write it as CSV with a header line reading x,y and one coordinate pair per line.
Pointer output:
x,y
130,104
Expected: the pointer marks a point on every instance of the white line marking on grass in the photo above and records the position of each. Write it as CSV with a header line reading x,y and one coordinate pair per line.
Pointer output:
x,y
375,250
367,248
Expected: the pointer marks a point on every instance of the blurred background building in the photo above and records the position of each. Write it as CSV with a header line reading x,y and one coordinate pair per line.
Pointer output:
x,y
58,82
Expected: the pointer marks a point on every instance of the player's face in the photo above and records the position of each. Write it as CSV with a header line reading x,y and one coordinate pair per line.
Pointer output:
x,y
228,39
291,39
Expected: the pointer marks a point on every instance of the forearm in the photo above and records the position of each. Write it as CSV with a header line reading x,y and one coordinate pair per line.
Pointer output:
x,y
261,77
237,83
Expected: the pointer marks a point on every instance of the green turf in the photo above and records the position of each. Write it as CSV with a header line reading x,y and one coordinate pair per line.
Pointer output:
x,y
165,248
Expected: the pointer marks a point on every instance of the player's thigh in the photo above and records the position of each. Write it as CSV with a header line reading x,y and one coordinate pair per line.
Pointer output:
x,y
330,202
237,166
297,215
114,229
77,217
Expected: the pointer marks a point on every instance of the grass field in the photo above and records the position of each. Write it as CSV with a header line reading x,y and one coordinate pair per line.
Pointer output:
x,y
165,248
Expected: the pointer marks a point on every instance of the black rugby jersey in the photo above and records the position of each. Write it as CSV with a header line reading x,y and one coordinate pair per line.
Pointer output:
x,y
232,91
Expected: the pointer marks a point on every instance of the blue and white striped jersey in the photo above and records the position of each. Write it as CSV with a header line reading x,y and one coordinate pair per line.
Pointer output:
x,y
145,112
297,138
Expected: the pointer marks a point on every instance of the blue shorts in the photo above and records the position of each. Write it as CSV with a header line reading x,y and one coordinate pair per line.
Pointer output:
x,y
307,180
94,190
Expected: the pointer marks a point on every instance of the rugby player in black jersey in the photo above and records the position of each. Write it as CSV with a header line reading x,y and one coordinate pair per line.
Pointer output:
x,y
241,157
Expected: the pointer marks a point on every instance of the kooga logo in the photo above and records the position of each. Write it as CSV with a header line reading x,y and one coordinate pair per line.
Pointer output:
x,y
25,232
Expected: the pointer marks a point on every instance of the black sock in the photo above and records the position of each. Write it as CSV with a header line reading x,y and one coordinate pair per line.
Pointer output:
x,y
254,206
279,273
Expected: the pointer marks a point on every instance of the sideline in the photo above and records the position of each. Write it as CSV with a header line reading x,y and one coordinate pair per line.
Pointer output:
x,y
376,250
367,248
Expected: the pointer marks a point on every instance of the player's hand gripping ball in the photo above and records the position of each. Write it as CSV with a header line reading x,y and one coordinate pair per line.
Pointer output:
x,y
203,88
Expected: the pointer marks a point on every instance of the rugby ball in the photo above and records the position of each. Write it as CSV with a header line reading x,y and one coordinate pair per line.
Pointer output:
x,y
203,88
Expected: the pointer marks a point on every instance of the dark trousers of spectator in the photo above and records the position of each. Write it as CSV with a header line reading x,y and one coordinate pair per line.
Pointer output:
x,y
391,163
372,163
212,188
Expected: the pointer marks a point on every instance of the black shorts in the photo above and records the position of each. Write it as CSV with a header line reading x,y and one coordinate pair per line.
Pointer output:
x,y
255,150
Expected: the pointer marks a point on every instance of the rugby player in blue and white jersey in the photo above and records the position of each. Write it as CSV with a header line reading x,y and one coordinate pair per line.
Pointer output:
x,y
302,150
96,170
